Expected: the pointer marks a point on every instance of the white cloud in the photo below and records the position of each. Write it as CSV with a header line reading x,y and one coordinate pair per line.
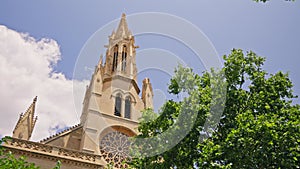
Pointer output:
x,y
26,71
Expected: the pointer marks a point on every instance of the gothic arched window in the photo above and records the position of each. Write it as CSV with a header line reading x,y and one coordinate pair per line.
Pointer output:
x,y
118,103
124,58
115,61
127,107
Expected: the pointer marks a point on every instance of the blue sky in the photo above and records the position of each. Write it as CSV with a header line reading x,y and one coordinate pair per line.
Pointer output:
x,y
270,29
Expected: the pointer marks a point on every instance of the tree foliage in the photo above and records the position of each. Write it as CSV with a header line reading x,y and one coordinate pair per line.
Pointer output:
x,y
8,160
259,126
268,0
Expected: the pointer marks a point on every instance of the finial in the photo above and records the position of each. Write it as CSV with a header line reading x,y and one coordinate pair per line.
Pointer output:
x,y
35,99
146,80
101,59
122,30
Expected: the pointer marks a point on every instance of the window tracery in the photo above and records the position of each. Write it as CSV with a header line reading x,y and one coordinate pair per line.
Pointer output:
x,y
124,58
115,59
118,104
114,147
127,107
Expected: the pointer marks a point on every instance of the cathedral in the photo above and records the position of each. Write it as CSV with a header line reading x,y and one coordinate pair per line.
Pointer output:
x,y
111,108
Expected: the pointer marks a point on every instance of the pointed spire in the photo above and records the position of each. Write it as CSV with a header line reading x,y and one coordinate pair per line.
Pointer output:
x,y
123,30
100,60
99,67
26,123
112,36
147,94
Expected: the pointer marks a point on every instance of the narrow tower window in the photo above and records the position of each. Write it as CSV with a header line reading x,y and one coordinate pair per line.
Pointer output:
x,y
115,61
127,107
118,105
124,58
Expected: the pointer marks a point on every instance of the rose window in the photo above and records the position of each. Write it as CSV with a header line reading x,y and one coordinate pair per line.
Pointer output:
x,y
114,148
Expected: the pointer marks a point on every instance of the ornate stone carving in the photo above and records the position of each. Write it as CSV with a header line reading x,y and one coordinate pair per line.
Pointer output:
x,y
114,148
28,145
77,154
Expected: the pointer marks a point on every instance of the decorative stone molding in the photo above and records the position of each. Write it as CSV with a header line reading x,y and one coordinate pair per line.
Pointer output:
x,y
24,144
39,150
77,154
114,148
114,117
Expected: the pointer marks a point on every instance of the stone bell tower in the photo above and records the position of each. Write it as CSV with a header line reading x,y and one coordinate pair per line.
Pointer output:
x,y
111,108
112,103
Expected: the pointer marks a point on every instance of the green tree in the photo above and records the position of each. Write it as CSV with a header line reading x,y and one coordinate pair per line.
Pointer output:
x,y
8,160
268,0
259,126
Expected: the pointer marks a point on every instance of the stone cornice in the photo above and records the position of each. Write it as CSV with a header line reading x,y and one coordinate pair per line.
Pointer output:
x,y
54,153
126,79
132,81
113,117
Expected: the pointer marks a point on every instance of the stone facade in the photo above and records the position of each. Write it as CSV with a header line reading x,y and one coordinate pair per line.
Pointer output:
x,y
111,108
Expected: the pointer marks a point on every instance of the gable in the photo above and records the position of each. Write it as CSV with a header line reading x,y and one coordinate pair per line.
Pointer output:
x,y
69,138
